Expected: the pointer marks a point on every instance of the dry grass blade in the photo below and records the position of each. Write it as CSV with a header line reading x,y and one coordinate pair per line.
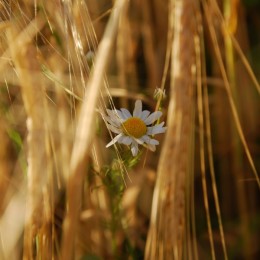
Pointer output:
x,y
246,63
228,89
85,129
212,172
203,108
202,146
16,207
23,55
23,38
167,229
230,34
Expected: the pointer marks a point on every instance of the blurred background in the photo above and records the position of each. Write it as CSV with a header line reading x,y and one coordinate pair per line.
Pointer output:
x,y
63,194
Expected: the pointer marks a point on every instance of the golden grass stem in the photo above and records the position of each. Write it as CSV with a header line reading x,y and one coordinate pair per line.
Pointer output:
x,y
246,63
122,58
167,228
23,38
205,106
211,166
229,93
202,145
166,65
23,55
230,33
9,238
212,171
237,162
84,131
149,50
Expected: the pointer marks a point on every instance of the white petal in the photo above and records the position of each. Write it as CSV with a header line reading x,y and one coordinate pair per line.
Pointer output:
x,y
134,148
157,129
120,140
146,138
119,113
154,142
111,113
138,108
126,113
144,114
114,129
151,147
139,140
150,141
127,140
112,122
114,140
153,117
114,117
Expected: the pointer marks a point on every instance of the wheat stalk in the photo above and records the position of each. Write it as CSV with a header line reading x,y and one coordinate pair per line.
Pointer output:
x,y
83,137
23,54
166,236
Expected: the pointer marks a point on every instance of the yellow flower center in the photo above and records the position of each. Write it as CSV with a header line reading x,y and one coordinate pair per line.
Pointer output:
x,y
134,126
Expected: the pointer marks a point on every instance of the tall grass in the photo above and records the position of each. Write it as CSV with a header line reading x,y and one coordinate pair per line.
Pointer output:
x,y
64,195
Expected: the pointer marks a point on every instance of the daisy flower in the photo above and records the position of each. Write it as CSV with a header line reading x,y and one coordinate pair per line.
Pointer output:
x,y
134,129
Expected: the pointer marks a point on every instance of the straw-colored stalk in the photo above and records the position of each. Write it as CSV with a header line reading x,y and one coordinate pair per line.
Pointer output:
x,y
24,57
123,43
5,168
230,14
84,133
149,50
167,230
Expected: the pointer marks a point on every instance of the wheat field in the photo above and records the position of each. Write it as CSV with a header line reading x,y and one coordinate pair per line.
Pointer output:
x,y
65,66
